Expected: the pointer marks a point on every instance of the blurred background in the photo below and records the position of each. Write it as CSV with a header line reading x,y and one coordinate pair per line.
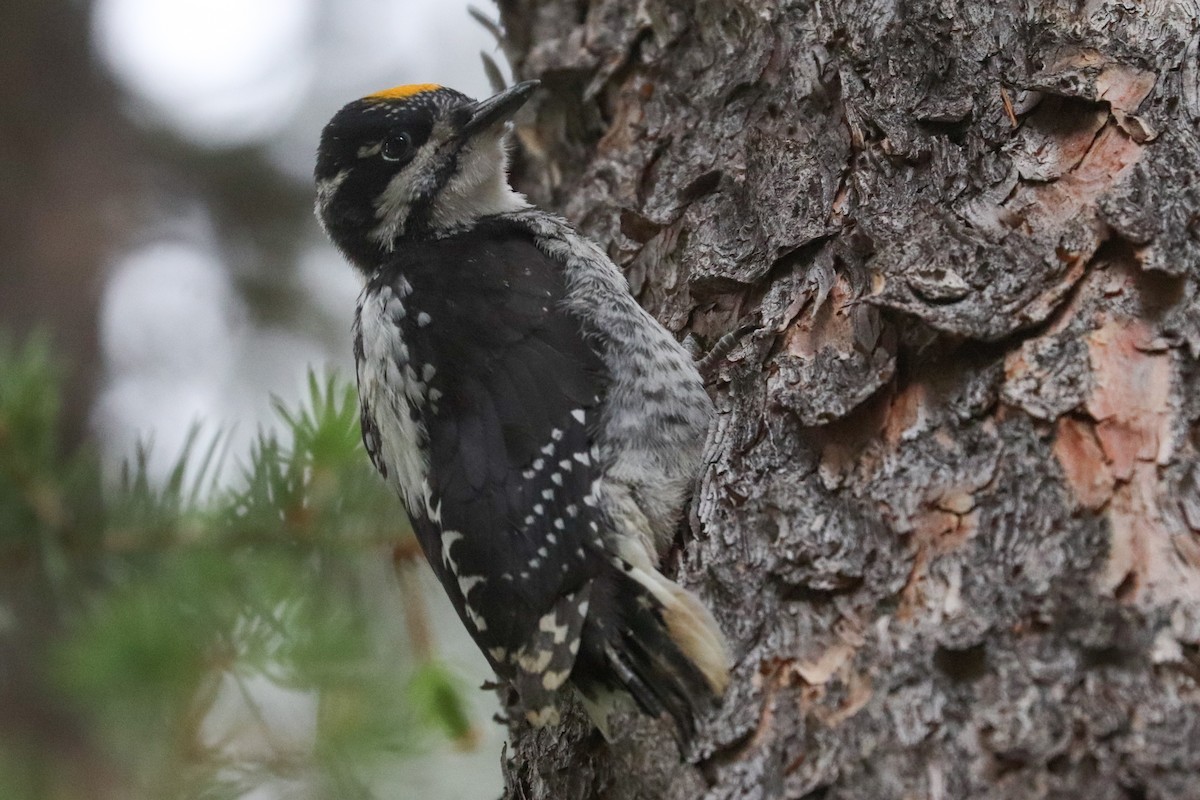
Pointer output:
x,y
157,233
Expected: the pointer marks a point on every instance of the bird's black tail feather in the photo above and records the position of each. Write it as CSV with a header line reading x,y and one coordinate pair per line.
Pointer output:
x,y
665,651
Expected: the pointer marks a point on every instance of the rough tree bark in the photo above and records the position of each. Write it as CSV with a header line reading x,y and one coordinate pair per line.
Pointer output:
x,y
950,520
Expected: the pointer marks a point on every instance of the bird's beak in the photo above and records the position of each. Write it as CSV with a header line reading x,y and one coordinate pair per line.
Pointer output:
x,y
497,108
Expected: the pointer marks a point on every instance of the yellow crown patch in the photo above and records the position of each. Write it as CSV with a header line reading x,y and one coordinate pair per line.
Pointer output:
x,y
401,92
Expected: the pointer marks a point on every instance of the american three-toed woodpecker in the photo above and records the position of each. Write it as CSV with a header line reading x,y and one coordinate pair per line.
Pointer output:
x,y
540,427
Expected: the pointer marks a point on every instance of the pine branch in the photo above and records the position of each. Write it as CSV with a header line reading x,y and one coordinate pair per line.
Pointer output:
x,y
166,609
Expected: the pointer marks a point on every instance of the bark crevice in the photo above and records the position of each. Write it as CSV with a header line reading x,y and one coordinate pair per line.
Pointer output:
x,y
950,516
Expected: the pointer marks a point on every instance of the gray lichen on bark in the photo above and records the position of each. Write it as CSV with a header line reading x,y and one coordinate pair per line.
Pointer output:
x,y
950,518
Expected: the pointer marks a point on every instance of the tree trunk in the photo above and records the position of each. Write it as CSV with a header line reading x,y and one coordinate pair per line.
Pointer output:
x,y
950,519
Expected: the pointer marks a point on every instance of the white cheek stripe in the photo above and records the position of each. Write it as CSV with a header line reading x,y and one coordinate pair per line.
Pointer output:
x,y
326,189
477,188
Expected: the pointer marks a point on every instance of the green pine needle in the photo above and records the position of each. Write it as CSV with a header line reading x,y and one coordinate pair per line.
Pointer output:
x,y
129,605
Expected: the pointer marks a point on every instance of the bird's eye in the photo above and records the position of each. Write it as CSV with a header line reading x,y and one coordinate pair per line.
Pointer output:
x,y
397,147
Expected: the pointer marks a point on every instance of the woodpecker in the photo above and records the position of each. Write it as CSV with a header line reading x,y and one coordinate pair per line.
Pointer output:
x,y
540,427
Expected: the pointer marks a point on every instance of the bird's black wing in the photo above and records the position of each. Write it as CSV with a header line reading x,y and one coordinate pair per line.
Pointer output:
x,y
513,388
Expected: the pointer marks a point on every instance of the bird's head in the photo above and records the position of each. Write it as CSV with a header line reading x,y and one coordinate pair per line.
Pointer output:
x,y
411,162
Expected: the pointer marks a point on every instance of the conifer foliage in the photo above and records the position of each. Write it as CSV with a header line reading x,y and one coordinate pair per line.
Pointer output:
x,y
202,635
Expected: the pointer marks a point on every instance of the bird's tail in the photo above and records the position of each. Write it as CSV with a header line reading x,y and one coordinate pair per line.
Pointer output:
x,y
664,650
